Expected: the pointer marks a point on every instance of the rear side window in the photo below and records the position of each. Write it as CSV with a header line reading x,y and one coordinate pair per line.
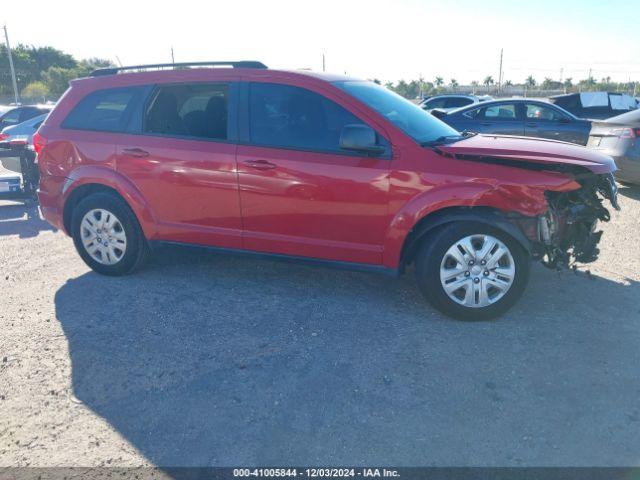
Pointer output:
x,y
505,111
104,110
435,103
455,102
199,110
293,117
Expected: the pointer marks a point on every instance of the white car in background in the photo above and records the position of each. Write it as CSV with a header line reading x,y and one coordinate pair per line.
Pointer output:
x,y
448,102
19,136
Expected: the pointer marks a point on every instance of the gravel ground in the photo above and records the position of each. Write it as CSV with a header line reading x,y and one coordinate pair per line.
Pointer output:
x,y
202,359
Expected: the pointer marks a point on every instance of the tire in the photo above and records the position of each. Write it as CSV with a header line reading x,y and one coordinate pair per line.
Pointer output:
x,y
475,295
127,248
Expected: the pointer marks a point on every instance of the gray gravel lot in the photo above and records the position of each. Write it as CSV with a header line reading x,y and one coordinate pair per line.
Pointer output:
x,y
202,359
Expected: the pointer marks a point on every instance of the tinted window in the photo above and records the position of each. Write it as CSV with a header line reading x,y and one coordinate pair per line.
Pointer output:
x,y
541,112
410,118
435,103
193,110
292,117
505,111
104,110
472,113
12,117
455,102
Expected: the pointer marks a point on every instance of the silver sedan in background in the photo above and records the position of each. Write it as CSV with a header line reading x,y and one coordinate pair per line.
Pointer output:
x,y
619,137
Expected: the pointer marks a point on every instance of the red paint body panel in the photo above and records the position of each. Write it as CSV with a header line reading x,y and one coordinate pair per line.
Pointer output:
x,y
532,150
329,206
190,186
314,204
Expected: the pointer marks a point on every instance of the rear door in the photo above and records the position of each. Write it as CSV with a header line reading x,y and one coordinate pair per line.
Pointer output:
x,y
181,155
300,194
501,118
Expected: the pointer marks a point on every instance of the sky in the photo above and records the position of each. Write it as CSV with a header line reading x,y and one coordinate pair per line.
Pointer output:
x,y
383,39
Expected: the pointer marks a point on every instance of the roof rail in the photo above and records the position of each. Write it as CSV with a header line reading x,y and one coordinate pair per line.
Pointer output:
x,y
159,66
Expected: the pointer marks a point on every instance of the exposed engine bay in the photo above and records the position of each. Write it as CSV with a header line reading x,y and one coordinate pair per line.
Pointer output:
x,y
568,231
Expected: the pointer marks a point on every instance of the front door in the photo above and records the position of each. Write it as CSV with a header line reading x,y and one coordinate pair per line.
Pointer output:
x,y
299,193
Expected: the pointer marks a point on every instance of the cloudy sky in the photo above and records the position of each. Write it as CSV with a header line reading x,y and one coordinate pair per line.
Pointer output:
x,y
384,39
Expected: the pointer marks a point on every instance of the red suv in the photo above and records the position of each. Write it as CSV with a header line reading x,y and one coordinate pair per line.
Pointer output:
x,y
317,167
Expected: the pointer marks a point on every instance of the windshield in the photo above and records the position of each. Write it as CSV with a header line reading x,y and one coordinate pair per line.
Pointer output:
x,y
411,119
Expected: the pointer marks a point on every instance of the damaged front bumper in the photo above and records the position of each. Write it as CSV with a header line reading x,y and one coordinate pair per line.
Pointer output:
x,y
567,232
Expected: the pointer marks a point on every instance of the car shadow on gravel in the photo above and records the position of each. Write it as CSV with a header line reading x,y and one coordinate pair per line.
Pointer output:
x,y
203,360
631,191
22,219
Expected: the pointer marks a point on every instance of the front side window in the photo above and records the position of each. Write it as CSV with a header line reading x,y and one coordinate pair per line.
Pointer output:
x,y
293,117
189,110
504,111
541,112
104,110
423,127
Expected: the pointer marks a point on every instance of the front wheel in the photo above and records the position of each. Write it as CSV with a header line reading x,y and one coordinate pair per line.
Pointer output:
x,y
471,271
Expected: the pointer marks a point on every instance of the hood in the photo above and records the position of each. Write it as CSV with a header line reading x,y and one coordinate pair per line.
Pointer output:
x,y
526,152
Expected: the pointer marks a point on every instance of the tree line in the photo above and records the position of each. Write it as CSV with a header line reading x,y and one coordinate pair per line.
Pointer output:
x,y
422,88
43,72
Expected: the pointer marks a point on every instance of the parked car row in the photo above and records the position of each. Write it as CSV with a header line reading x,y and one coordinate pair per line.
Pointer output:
x,y
617,136
523,117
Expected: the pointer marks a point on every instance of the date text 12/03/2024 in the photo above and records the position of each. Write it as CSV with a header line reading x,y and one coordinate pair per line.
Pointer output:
x,y
316,472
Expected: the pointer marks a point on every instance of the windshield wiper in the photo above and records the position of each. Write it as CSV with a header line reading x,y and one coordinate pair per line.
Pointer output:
x,y
441,140
448,139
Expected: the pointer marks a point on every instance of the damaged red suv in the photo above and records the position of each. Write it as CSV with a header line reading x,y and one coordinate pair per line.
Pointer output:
x,y
317,167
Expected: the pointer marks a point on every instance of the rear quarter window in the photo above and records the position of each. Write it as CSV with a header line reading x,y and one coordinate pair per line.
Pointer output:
x,y
104,110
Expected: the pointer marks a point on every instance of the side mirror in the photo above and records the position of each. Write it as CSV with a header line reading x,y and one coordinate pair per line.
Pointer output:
x,y
360,138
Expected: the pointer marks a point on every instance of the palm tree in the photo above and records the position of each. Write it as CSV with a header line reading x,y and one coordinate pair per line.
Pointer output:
x,y
453,83
488,80
530,81
568,82
474,84
508,83
439,82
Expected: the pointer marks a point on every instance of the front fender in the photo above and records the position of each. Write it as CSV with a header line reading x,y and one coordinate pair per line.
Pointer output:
x,y
98,175
482,201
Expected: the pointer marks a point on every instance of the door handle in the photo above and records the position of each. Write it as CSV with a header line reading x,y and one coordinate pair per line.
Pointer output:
x,y
533,125
136,152
260,164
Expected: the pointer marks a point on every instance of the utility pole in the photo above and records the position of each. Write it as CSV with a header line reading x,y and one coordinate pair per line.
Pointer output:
x,y
13,71
500,73
561,73
323,64
172,59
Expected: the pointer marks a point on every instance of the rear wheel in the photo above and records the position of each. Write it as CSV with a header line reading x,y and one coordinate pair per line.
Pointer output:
x,y
471,271
107,235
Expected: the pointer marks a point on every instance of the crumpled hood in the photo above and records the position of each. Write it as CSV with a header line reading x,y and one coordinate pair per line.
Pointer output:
x,y
530,151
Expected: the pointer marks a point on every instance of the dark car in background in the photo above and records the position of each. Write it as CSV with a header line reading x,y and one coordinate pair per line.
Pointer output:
x,y
599,105
21,114
522,117
619,137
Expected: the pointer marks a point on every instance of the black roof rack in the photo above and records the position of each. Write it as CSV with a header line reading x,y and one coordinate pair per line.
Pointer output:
x,y
159,66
